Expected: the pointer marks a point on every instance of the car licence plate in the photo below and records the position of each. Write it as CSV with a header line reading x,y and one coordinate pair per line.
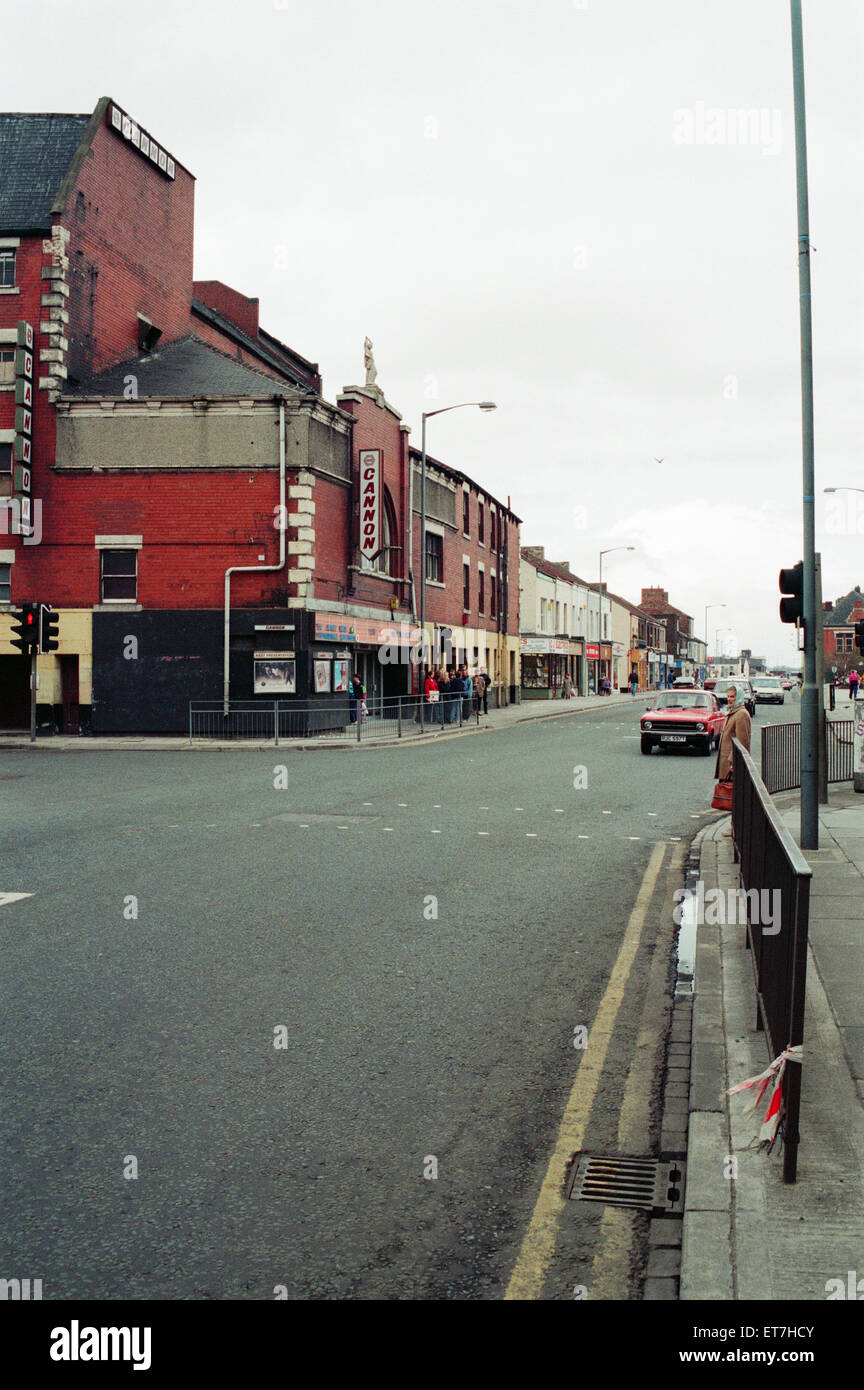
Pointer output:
x,y
673,738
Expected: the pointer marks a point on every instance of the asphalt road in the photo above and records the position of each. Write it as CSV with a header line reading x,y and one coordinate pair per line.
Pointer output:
x,y
420,929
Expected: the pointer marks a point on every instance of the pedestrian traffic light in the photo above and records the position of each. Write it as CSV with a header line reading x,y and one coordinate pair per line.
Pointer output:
x,y
859,636
25,628
49,628
792,587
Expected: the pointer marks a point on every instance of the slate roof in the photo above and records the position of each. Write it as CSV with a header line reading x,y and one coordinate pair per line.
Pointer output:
x,y
187,367
35,153
839,615
284,359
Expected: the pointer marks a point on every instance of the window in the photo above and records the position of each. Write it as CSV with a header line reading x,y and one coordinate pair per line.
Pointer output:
x,y
381,562
481,592
5,458
434,557
480,536
466,513
493,530
7,268
119,576
493,595
5,583
466,587
7,366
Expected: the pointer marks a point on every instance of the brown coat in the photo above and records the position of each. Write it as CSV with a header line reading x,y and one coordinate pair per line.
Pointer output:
x,y
737,726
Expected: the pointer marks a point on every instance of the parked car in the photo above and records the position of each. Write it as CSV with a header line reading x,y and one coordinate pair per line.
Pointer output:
x,y
683,683
768,690
710,683
683,719
744,688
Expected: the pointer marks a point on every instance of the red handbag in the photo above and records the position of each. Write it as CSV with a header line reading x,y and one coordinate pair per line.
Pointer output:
x,y
722,799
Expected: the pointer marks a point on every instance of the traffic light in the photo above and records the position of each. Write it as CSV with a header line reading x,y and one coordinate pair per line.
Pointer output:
x,y
49,628
792,586
25,628
859,636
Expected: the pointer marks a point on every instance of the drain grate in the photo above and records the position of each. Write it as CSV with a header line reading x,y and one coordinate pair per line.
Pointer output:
x,y
647,1184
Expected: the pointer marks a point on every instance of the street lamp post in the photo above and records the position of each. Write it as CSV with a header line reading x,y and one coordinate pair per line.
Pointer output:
x,y
608,551
707,640
427,415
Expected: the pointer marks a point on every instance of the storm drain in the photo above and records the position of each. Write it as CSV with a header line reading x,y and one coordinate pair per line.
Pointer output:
x,y
647,1184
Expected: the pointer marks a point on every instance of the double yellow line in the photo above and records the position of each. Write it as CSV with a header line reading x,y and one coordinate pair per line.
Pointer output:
x,y
538,1246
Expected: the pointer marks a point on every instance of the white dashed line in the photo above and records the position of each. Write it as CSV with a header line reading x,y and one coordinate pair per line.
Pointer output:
x,y
13,897
673,838
367,803
482,832
304,827
403,805
583,837
436,806
559,810
530,835
519,808
607,813
634,837
653,813
436,832
388,827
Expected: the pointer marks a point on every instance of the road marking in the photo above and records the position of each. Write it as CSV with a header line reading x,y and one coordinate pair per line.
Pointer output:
x,y
436,832
367,803
607,813
13,897
538,1245
634,837
304,827
403,805
519,808
610,1268
436,806
482,832
530,834
653,813
584,837
388,827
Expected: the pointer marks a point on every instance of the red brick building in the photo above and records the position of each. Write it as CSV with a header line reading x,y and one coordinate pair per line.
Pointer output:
x,y
173,481
838,627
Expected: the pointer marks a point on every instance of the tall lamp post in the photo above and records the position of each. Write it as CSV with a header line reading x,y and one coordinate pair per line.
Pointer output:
x,y
608,551
707,639
427,415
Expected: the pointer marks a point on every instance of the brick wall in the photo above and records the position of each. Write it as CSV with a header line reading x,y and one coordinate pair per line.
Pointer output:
x,y
130,252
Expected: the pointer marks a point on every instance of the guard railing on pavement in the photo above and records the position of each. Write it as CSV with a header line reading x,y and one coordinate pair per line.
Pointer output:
x,y
771,862
781,754
341,721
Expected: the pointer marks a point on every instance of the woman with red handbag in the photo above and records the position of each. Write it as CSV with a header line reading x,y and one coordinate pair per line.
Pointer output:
x,y
737,726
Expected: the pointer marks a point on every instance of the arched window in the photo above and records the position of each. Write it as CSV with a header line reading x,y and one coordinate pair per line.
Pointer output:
x,y
384,561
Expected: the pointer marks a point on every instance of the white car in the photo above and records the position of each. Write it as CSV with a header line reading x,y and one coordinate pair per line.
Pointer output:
x,y
768,690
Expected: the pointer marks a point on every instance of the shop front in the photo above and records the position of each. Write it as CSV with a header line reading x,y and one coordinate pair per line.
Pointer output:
x,y
546,662
379,652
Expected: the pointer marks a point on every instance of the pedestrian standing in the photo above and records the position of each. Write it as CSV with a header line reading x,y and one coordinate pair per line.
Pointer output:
x,y
356,696
483,689
567,687
431,693
737,726
853,684
634,683
467,693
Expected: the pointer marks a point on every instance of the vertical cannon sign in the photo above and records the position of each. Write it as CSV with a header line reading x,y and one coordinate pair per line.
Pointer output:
x,y
23,477
370,503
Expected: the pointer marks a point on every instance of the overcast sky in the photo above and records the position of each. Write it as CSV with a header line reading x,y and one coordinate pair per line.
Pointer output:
x,y
551,206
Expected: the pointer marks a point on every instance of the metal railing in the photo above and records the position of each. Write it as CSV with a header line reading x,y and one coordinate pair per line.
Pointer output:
x,y
771,862
781,754
342,721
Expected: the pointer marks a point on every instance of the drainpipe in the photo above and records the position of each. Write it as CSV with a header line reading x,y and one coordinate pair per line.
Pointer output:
x,y
260,569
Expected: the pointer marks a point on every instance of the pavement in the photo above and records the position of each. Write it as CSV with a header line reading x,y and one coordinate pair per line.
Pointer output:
x,y
496,719
746,1234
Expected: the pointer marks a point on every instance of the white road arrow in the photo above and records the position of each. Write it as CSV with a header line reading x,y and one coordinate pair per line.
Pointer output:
x,y
12,897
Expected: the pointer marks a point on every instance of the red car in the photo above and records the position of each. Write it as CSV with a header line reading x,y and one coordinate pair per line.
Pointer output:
x,y
683,719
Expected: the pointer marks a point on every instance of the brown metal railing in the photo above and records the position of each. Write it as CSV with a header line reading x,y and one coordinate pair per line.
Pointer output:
x,y
770,860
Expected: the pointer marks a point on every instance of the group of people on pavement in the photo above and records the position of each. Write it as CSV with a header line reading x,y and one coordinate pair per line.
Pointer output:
x,y
447,689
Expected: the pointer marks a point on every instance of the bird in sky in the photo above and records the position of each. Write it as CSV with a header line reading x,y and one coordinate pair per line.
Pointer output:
x,y
658,460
